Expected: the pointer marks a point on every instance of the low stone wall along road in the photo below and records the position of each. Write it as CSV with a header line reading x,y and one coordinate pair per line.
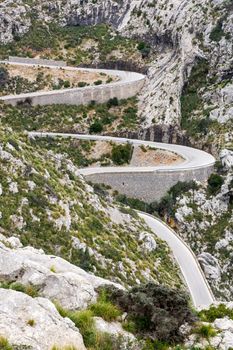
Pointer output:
x,y
128,85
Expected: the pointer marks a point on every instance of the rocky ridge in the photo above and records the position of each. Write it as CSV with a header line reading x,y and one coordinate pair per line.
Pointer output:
x,y
205,222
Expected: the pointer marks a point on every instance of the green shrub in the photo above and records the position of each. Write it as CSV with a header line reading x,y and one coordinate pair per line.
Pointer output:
x,y
205,331
81,84
4,77
133,203
129,326
122,154
4,344
156,311
96,127
191,99
66,84
63,312
217,32
215,182
113,102
106,310
31,323
68,347
167,203
93,339
144,48
215,312
19,287
98,82
82,319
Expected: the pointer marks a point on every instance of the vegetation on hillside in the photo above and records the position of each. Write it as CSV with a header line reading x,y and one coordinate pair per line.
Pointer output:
x,y
43,186
154,311
74,44
191,99
94,118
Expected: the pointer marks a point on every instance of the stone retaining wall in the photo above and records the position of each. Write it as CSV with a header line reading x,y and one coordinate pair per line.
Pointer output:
x,y
129,85
36,61
148,186
78,96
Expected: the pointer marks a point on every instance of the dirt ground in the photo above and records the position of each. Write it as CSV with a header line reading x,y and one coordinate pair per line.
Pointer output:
x,y
152,157
142,156
53,75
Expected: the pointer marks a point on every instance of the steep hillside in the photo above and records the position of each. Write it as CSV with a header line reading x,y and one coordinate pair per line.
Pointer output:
x,y
51,207
204,220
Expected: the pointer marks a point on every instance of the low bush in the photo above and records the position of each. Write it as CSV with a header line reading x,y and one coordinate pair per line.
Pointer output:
x,y
215,182
19,287
4,344
217,32
93,339
144,48
134,203
68,347
98,82
113,102
31,323
105,309
156,311
191,98
96,127
4,77
83,320
205,331
156,345
81,84
167,203
215,312
122,154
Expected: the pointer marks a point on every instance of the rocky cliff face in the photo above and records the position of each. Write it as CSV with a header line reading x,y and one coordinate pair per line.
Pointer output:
x,y
205,222
179,32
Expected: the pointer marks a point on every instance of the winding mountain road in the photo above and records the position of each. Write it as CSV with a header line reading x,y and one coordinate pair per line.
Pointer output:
x,y
198,286
193,159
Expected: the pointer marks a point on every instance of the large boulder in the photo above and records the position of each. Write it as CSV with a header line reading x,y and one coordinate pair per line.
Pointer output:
x,y
53,277
210,265
226,157
35,323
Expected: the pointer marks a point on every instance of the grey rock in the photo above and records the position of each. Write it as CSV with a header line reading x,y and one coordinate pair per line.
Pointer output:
x,y
210,266
55,278
148,242
226,157
48,328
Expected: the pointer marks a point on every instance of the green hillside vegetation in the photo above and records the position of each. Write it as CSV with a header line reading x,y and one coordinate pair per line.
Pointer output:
x,y
67,43
110,116
48,205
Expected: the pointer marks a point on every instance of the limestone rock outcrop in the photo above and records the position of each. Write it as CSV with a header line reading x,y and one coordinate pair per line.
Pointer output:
x,y
204,220
35,323
53,277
